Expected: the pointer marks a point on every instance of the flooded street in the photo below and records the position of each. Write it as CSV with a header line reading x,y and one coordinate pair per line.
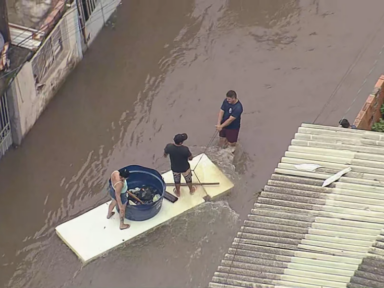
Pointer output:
x,y
161,68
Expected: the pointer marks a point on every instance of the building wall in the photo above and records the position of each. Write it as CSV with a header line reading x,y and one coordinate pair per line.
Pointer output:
x,y
41,77
30,94
370,113
100,11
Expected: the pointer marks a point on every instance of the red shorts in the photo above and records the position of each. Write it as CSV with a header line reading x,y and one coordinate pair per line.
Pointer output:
x,y
230,134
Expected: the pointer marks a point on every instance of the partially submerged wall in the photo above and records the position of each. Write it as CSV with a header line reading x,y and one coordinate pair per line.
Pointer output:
x,y
370,113
41,77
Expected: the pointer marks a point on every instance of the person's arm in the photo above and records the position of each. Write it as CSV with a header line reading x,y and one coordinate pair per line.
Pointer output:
x,y
166,151
235,114
190,157
228,121
221,114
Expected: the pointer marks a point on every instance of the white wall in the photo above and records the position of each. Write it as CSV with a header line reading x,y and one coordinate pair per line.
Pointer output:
x,y
27,100
99,17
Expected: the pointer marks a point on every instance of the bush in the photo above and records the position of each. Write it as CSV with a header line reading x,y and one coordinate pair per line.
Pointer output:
x,y
378,126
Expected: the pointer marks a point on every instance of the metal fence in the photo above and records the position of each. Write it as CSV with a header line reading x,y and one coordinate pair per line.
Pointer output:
x,y
5,126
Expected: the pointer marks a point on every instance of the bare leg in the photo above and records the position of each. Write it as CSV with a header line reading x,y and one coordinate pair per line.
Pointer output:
x,y
192,189
222,142
122,217
188,179
111,206
232,147
177,189
176,179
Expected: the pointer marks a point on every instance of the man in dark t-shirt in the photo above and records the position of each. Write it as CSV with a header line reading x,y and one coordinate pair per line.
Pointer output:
x,y
179,156
228,123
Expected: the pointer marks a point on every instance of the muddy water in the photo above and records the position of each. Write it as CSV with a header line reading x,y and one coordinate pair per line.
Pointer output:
x,y
163,67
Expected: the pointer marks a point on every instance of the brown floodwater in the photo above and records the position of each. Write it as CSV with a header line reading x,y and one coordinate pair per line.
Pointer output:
x,y
161,68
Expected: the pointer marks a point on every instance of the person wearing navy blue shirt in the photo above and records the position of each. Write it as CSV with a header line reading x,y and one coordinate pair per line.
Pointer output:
x,y
229,121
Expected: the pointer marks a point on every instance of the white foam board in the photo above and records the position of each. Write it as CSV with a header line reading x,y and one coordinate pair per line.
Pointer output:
x,y
206,171
91,235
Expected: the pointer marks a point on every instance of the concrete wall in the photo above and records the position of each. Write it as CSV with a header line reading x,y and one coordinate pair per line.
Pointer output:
x,y
29,99
99,17
370,113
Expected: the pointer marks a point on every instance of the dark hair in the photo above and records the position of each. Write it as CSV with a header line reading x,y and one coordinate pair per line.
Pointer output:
x,y
180,138
124,173
232,94
344,123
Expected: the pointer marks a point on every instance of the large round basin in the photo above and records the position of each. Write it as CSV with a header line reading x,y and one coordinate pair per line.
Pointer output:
x,y
142,176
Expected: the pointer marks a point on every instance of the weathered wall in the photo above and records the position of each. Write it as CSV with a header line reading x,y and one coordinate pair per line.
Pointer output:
x,y
29,13
370,113
31,98
99,17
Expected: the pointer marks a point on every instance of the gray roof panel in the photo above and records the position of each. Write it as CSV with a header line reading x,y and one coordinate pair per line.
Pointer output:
x,y
300,234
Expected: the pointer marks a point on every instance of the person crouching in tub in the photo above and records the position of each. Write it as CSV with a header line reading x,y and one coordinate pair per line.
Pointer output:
x,y
118,192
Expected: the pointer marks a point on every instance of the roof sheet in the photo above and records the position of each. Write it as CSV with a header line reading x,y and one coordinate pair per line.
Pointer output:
x,y
301,234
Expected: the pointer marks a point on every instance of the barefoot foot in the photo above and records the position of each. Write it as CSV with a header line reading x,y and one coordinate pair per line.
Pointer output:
x,y
177,193
110,215
124,226
193,190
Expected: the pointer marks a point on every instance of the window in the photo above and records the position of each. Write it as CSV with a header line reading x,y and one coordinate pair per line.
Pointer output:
x,y
88,7
48,54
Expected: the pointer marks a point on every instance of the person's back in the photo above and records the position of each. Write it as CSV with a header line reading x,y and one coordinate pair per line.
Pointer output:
x,y
178,155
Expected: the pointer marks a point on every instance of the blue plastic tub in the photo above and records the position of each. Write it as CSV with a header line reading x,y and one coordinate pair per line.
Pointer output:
x,y
142,176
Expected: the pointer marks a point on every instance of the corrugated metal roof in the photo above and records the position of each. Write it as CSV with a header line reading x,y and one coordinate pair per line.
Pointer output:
x,y
301,234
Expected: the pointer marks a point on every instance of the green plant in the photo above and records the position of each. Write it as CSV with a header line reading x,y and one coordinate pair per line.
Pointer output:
x,y
382,109
378,126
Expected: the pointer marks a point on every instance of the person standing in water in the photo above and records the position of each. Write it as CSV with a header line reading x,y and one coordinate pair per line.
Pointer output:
x,y
228,122
179,156
118,192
